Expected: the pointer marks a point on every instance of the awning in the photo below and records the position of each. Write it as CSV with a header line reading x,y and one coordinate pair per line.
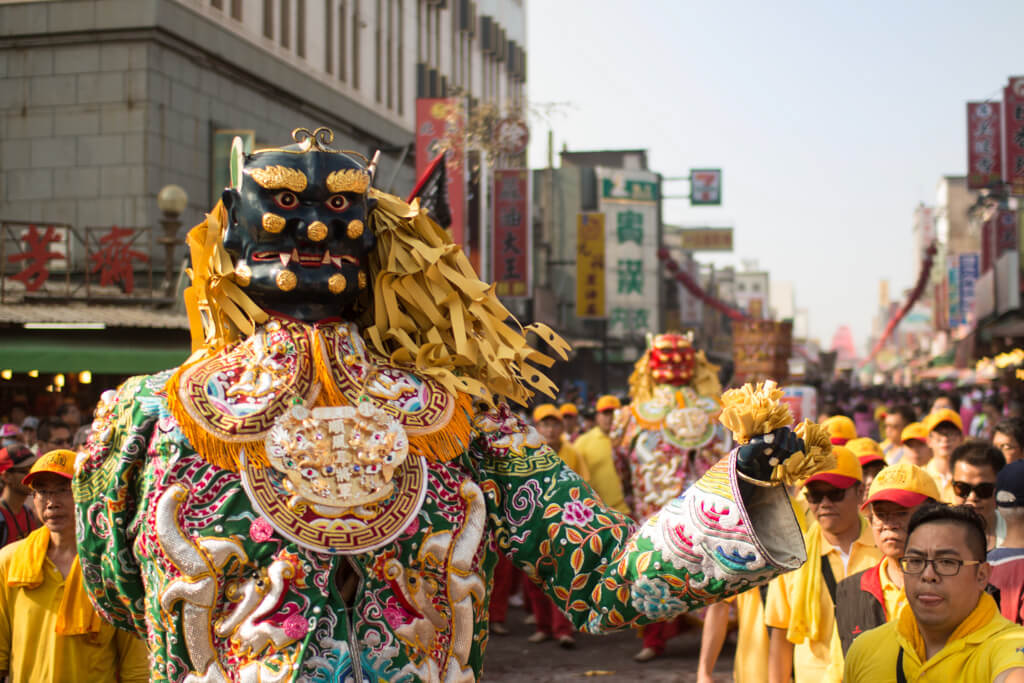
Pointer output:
x,y
99,357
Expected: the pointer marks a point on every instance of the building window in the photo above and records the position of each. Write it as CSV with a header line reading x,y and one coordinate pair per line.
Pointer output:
x,y
329,37
286,23
400,59
236,10
357,22
342,41
300,27
377,61
217,4
268,18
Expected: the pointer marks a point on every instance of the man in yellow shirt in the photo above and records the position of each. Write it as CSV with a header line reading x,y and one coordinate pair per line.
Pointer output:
x,y
915,445
799,608
945,433
953,630
49,630
595,447
874,596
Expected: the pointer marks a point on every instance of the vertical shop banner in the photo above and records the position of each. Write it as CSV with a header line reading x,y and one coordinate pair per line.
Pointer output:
x,y
984,145
590,265
969,268
1006,232
988,243
629,201
511,244
1013,134
440,127
953,295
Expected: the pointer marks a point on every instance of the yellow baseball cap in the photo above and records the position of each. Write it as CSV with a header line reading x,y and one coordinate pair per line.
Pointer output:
x,y
840,428
904,484
568,409
546,410
940,416
607,402
60,461
867,450
914,430
845,474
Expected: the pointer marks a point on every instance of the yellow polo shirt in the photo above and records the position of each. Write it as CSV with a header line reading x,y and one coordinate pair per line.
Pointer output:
x,y
895,597
811,658
574,460
31,650
981,655
751,660
943,482
596,449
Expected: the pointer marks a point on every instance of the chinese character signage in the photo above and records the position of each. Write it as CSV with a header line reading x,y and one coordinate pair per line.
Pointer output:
x,y
706,239
984,145
629,201
440,127
967,276
705,186
511,243
590,286
1013,136
953,295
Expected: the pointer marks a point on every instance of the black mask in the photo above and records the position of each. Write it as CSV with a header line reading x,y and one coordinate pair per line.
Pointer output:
x,y
297,232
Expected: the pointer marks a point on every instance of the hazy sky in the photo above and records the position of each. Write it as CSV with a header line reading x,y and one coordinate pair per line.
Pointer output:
x,y
830,119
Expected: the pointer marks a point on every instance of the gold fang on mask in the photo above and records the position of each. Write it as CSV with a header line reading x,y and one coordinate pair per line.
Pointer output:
x,y
273,223
348,180
279,177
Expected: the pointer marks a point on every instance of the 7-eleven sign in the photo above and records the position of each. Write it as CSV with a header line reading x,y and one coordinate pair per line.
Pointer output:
x,y
705,187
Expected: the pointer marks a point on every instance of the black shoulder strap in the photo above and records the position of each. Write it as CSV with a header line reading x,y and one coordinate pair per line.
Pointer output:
x,y
900,676
830,578
763,589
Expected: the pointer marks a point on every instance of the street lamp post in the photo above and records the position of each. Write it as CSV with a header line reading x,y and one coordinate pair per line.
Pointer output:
x,y
172,201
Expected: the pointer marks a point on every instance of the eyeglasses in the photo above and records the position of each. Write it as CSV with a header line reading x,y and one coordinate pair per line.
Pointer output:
x,y
835,495
984,490
943,566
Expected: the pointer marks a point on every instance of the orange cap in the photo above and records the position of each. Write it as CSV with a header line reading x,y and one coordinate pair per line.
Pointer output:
x,y
60,462
568,409
867,450
904,484
544,411
607,402
940,416
840,428
845,474
914,430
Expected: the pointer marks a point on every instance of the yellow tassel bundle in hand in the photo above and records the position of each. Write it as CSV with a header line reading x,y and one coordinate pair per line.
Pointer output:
x,y
754,411
816,456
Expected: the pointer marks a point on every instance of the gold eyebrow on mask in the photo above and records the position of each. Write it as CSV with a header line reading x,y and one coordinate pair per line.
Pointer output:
x,y
348,180
279,177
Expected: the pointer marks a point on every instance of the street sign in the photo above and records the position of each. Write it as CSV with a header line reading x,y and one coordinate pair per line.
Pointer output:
x,y
511,136
705,187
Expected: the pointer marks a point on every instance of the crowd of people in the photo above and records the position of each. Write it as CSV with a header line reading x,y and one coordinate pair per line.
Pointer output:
x,y
914,539
49,630
916,536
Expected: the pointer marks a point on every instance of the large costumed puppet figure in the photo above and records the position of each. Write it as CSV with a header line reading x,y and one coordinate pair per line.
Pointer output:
x,y
321,492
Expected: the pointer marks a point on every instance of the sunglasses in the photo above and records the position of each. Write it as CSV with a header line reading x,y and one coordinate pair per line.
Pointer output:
x,y
815,497
983,490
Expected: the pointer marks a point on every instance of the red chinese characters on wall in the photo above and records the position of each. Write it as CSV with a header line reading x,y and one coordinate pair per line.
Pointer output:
x,y
35,256
115,260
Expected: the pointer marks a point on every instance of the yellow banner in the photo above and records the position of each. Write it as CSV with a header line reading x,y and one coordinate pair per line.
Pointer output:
x,y
590,265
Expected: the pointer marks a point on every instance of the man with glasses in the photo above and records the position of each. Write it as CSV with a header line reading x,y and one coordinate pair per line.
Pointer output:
x,y
800,604
945,433
49,630
975,466
953,630
53,434
874,596
15,463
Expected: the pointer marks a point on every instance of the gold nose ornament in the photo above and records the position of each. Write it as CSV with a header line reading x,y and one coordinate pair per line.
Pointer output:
x,y
273,223
316,231
355,229
336,283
